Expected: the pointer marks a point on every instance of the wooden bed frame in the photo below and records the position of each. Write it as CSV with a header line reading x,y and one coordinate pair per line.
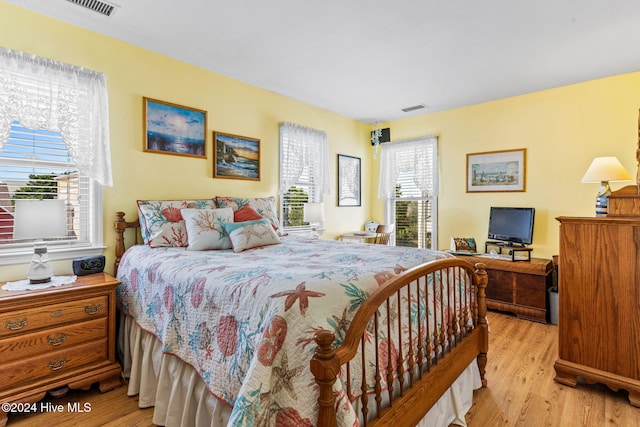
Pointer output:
x,y
458,340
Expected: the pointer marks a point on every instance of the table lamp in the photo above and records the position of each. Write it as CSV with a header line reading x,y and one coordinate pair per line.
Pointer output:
x,y
603,170
39,219
314,215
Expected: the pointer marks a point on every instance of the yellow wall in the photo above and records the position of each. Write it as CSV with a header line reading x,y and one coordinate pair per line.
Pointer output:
x,y
562,129
232,107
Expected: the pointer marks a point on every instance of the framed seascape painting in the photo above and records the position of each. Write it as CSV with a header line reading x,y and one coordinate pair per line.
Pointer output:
x,y
235,156
349,192
174,129
495,171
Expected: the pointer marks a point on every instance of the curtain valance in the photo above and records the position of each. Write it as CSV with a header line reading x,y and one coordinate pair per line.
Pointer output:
x,y
413,156
41,93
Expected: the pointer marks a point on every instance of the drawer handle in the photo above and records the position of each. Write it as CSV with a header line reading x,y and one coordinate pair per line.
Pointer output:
x,y
57,339
54,365
57,313
93,308
18,324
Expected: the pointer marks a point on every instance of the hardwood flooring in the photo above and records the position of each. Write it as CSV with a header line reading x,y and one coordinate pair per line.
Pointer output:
x,y
521,391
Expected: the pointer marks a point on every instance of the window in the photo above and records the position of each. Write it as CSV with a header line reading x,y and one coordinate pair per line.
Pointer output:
x,y
408,183
54,144
37,165
304,172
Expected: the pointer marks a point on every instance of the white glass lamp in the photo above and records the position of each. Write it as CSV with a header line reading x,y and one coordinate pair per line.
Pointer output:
x,y
39,219
603,170
314,215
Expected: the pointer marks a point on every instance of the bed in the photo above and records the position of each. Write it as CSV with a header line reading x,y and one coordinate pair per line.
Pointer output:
x,y
300,332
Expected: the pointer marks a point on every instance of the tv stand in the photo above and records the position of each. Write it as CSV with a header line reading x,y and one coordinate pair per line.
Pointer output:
x,y
513,249
518,287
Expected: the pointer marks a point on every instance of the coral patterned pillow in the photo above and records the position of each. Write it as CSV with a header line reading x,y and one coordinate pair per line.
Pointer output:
x,y
206,228
265,206
251,234
161,221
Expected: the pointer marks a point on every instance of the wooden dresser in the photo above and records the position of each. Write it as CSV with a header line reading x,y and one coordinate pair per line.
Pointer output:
x,y
519,287
599,302
55,337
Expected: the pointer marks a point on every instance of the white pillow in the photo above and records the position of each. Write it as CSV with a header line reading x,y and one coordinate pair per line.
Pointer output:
x,y
251,234
205,228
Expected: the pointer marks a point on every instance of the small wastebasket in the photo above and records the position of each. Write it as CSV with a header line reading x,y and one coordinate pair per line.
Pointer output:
x,y
553,305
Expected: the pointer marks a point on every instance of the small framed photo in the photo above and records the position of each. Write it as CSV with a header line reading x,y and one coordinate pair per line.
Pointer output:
x,y
349,191
174,129
235,156
495,171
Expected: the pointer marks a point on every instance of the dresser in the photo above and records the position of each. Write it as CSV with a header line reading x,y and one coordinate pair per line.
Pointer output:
x,y
55,337
599,303
519,287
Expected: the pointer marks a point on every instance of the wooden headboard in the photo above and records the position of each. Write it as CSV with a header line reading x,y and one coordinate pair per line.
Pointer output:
x,y
121,226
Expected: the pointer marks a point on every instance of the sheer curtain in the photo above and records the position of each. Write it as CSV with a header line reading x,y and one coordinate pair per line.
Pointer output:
x,y
41,93
414,156
303,148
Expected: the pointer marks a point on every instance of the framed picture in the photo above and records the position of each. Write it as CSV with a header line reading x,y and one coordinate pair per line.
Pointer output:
x,y
174,129
235,156
349,192
495,171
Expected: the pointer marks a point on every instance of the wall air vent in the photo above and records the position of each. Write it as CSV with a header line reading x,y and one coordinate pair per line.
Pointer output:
x,y
99,6
414,108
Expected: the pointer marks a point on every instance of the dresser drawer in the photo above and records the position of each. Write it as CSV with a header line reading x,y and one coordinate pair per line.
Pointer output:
x,y
53,364
46,316
41,342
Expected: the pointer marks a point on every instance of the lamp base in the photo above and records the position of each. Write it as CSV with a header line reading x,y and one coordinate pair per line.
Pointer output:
x,y
602,199
39,281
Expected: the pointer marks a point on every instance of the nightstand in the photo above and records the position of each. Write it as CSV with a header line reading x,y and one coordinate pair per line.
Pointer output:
x,y
59,336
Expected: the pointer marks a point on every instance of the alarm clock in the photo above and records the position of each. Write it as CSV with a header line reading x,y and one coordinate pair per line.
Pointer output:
x,y
88,265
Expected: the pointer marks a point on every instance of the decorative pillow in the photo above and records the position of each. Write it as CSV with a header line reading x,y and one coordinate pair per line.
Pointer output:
x,y
251,234
161,222
246,213
206,228
266,206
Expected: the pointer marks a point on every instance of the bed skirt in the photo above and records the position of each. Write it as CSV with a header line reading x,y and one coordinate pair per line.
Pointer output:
x,y
180,398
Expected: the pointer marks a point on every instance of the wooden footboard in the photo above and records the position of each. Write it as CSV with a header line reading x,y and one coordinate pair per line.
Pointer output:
x,y
427,355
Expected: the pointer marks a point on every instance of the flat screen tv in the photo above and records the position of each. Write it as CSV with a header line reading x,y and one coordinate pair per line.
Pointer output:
x,y
511,225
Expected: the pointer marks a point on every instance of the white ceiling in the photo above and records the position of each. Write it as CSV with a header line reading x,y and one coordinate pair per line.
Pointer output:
x,y
368,59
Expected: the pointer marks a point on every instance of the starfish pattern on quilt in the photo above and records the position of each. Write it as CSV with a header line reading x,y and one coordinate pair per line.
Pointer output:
x,y
300,293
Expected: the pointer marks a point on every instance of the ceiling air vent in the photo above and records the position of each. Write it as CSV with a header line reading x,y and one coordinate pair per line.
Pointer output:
x,y
101,7
414,108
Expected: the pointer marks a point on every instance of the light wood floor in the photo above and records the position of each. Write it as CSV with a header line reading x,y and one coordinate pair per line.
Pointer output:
x,y
521,391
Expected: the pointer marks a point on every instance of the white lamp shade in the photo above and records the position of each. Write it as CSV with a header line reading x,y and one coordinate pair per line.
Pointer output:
x,y
39,219
606,169
313,212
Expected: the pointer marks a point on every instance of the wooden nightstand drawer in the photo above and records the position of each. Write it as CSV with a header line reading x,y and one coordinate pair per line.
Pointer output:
x,y
33,344
19,322
52,364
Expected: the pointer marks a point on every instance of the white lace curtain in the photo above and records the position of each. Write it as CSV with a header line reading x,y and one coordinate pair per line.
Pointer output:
x,y
41,93
303,147
416,156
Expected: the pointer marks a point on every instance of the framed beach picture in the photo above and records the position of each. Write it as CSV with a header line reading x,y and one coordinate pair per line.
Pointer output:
x,y
349,192
494,171
174,129
235,156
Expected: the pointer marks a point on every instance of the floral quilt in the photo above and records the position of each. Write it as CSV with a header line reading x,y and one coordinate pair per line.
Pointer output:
x,y
245,321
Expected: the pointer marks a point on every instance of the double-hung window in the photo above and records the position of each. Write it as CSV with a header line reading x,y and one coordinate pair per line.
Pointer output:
x,y
304,172
54,144
409,186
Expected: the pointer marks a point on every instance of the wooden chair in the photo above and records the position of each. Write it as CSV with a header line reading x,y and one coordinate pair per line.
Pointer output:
x,y
383,234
